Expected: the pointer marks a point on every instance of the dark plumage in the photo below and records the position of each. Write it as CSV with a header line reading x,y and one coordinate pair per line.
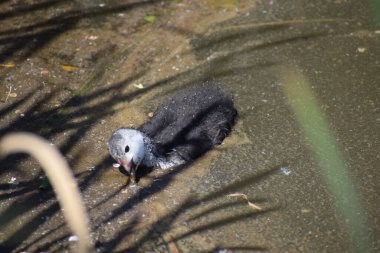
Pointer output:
x,y
192,122
181,130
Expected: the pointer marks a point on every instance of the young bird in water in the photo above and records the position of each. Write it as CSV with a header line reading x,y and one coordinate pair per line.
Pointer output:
x,y
181,130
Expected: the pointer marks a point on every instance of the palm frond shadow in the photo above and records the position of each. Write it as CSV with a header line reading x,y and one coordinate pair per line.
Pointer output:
x,y
53,121
145,192
17,11
20,189
193,204
20,208
218,67
46,246
30,37
48,123
221,207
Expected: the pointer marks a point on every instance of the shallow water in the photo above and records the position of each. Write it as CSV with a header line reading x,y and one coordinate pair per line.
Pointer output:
x,y
304,77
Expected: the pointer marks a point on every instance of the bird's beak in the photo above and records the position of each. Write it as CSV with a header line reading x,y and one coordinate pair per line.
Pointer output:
x,y
130,166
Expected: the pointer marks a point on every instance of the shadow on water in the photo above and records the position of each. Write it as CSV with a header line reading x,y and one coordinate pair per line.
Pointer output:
x,y
49,123
25,9
24,41
28,191
30,37
164,224
53,121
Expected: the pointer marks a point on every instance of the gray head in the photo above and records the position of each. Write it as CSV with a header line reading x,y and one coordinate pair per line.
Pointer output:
x,y
126,146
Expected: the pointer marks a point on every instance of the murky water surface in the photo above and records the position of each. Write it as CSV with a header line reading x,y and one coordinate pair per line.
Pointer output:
x,y
74,71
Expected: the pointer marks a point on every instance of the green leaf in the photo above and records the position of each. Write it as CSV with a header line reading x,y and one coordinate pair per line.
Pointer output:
x,y
150,19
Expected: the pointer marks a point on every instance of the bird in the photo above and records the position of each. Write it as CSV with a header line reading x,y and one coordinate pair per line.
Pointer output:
x,y
181,130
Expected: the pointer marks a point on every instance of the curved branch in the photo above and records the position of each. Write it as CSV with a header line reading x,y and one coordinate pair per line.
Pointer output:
x,y
61,178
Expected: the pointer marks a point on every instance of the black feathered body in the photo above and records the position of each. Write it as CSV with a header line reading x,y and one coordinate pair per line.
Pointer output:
x,y
192,122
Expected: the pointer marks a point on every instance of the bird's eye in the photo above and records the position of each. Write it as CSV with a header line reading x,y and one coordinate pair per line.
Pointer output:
x,y
126,149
